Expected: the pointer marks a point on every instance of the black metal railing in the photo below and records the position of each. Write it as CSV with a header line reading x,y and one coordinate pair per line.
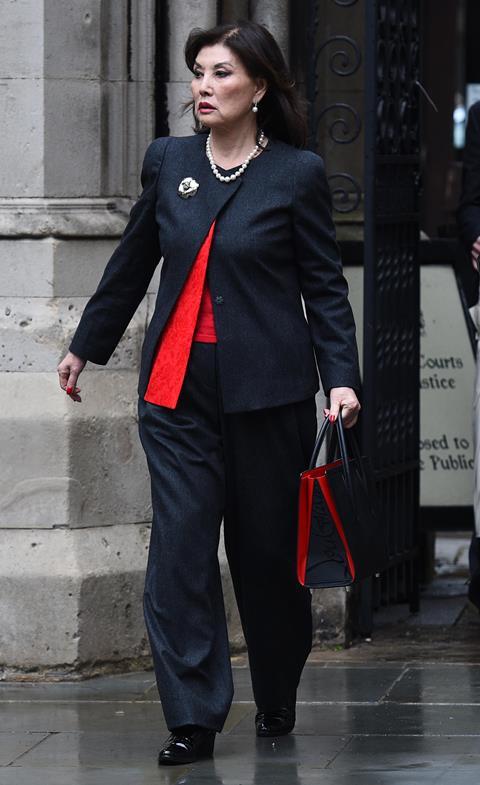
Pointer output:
x,y
390,425
361,84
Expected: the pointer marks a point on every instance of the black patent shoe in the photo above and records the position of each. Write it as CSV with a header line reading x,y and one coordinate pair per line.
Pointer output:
x,y
187,745
277,722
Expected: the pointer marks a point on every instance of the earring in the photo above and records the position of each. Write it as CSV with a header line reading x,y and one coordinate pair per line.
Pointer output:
x,y
255,107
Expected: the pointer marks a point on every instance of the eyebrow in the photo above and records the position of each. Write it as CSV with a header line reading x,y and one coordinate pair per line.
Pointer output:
x,y
217,65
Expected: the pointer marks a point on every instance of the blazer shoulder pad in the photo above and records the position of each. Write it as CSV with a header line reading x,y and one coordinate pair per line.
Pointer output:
x,y
155,151
309,173
309,160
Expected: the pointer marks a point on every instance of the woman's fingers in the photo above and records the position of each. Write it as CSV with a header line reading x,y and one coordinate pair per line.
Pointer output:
x,y
343,398
349,416
63,377
69,370
74,395
72,381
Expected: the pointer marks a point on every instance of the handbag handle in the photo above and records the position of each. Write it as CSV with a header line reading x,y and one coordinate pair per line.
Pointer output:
x,y
338,425
318,443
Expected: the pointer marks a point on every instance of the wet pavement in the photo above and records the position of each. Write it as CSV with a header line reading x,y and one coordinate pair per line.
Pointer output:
x,y
403,709
358,722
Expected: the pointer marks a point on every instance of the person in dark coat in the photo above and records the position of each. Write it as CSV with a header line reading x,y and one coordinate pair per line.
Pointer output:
x,y
242,218
468,220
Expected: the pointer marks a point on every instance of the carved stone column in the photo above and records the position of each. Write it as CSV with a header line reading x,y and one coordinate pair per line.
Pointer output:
x,y
274,14
232,10
183,17
76,98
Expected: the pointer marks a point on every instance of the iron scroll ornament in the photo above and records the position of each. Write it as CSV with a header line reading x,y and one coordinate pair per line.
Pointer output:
x,y
344,199
341,62
341,124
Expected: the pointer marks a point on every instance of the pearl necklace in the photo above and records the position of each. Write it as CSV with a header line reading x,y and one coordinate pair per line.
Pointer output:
x,y
228,178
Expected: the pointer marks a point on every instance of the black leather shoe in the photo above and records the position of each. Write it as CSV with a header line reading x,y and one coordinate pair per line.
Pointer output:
x,y
187,745
277,722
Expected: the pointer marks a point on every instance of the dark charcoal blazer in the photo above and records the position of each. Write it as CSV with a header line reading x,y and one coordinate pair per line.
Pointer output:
x,y
274,239
468,214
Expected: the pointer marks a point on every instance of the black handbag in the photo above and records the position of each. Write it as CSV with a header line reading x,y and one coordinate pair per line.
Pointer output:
x,y
341,537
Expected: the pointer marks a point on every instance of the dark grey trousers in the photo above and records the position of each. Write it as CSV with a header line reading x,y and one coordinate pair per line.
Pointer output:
x,y
206,465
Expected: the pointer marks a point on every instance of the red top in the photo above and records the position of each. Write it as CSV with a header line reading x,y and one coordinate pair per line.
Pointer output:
x,y
205,329
192,317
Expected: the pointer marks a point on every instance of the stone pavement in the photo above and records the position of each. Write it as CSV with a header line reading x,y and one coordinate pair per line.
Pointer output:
x,y
366,715
403,709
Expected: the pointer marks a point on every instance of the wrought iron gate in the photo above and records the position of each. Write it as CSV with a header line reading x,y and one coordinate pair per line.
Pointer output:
x,y
369,134
392,283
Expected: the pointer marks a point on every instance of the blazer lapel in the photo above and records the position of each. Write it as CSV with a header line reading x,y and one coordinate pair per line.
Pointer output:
x,y
197,213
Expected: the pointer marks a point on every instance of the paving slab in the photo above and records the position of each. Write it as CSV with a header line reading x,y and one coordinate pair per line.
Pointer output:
x,y
327,684
438,684
407,752
121,687
382,719
55,717
12,745
107,750
15,775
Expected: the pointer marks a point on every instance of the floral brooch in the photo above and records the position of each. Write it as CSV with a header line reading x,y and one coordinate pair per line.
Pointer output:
x,y
188,187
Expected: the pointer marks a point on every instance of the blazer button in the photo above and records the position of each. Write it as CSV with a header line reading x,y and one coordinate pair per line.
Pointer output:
x,y
219,299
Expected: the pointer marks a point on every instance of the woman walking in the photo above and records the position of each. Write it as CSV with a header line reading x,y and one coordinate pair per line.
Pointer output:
x,y
241,215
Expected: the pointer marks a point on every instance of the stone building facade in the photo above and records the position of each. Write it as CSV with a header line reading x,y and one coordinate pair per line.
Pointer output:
x,y
77,102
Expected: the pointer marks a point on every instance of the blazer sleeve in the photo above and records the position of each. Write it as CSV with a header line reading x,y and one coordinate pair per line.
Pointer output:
x,y
323,286
468,214
127,274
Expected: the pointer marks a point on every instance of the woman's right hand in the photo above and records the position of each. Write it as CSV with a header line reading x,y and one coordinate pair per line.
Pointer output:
x,y
68,372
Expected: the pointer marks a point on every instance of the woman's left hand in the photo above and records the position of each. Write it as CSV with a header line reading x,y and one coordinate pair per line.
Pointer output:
x,y
343,398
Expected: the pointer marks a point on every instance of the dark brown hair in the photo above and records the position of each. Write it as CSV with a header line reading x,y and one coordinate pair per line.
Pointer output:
x,y
281,112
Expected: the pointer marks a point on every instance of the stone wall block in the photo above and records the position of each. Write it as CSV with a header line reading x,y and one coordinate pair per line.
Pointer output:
x,y
78,265
35,333
71,601
113,469
72,138
21,151
21,39
71,464
38,577
53,267
72,39
112,561
26,267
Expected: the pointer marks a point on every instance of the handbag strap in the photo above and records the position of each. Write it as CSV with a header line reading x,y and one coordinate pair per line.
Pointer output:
x,y
344,455
318,442
340,433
